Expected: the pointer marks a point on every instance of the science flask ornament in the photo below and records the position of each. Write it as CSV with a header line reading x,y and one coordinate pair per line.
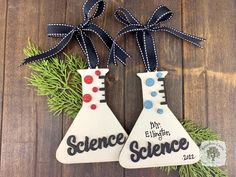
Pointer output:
x,y
157,138
95,135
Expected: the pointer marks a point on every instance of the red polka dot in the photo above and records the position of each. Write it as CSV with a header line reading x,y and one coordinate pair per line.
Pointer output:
x,y
93,106
88,79
87,98
98,73
95,89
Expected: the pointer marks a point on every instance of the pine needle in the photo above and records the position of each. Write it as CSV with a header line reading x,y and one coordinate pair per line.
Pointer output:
x,y
199,134
198,170
58,80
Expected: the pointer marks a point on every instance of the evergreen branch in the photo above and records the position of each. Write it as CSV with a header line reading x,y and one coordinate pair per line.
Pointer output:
x,y
198,135
198,170
58,80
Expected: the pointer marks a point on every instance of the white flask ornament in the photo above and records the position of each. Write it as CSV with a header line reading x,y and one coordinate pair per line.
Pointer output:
x,y
95,135
157,138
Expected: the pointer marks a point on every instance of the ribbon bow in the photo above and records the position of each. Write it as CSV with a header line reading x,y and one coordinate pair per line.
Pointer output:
x,y
67,32
144,36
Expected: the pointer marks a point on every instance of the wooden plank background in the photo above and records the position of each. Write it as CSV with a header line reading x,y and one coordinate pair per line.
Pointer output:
x,y
200,85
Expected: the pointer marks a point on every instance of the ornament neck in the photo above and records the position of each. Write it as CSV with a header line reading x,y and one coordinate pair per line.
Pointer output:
x,y
153,89
93,86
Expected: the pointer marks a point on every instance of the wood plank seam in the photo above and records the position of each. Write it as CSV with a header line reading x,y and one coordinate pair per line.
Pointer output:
x,y
36,139
3,74
182,64
36,106
63,116
206,98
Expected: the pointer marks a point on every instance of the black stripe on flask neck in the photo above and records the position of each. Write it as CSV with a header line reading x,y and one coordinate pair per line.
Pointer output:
x,y
103,89
163,91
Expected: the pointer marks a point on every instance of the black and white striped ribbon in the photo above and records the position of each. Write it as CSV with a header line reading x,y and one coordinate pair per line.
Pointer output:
x,y
144,36
68,32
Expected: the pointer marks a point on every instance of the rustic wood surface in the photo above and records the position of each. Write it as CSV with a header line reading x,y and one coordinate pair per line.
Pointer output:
x,y
201,84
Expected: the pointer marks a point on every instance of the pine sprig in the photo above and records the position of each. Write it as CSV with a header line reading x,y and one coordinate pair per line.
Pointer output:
x,y
58,80
198,170
198,135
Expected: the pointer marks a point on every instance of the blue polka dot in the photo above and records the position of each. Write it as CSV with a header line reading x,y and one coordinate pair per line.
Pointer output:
x,y
153,94
150,82
148,104
160,111
159,75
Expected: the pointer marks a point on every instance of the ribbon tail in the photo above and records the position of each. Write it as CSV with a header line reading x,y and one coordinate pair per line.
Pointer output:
x,y
51,52
187,37
111,58
88,49
147,49
120,53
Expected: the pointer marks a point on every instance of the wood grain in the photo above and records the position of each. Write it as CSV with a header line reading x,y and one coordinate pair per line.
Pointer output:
x,y
200,85
49,129
195,96
19,128
3,14
210,96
